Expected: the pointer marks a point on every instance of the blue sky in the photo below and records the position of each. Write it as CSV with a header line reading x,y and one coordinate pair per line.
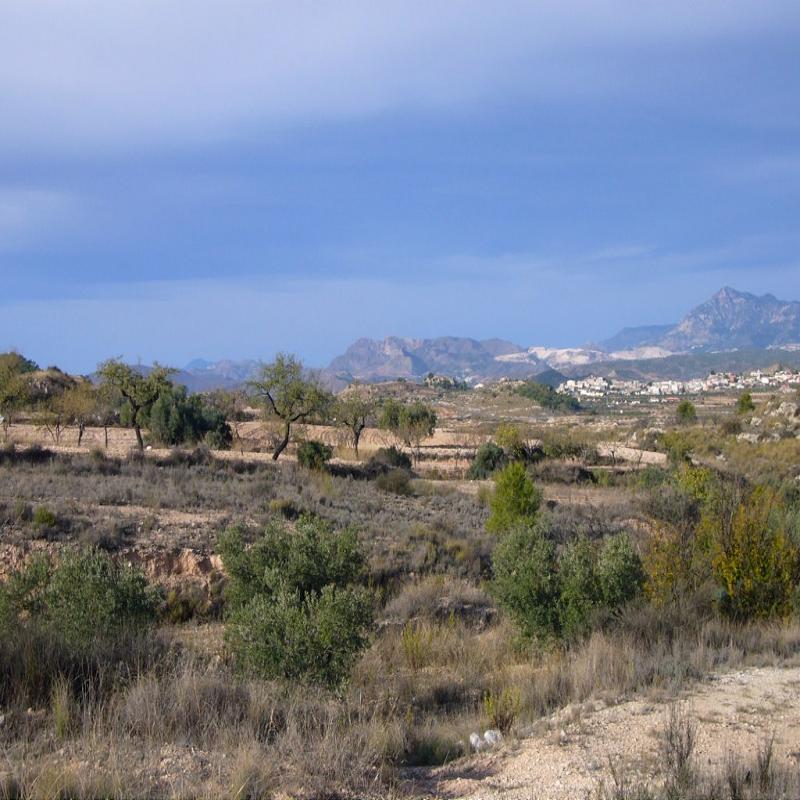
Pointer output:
x,y
232,179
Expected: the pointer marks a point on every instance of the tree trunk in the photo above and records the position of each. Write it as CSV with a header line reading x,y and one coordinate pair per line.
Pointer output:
x,y
139,439
282,446
356,437
105,434
81,428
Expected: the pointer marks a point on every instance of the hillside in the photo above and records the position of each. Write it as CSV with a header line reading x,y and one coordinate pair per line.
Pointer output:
x,y
732,331
733,320
397,357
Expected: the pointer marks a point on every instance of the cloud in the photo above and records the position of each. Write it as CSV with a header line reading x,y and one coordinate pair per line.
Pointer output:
x,y
137,74
532,299
29,215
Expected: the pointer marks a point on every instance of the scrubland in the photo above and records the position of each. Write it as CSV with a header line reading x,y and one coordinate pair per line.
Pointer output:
x,y
454,641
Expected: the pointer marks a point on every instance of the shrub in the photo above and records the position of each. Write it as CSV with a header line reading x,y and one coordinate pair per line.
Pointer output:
x,y
487,461
83,621
392,457
314,455
315,640
698,483
512,440
579,587
745,404
43,517
396,481
525,581
300,562
677,446
416,641
731,426
294,608
86,598
685,412
516,499
91,597
502,708
754,559
619,571
178,418
673,565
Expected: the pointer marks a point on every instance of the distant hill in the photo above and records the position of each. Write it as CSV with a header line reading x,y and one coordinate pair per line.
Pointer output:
x,y
632,338
397,357
733,320
731,331
730,320
200,375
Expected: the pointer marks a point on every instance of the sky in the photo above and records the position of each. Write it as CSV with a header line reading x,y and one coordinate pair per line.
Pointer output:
x,y
228,180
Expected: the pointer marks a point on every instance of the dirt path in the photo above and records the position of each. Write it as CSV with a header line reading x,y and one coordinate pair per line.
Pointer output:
x,y
567,755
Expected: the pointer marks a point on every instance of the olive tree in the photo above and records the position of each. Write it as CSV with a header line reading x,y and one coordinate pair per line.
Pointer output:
x,y
138,390
412,423
289,395
14,387
354,410
79,405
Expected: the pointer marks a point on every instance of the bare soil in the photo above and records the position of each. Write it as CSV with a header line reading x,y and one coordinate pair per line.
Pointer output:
x,y
569,754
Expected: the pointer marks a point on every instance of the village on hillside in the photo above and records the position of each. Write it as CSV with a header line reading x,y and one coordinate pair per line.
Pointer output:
x,y
596,387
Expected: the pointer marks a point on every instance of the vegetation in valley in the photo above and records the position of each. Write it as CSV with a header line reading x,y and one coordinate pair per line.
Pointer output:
x,y
357,619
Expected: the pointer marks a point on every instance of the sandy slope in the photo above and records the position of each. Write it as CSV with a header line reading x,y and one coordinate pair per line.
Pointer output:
x,y
735,712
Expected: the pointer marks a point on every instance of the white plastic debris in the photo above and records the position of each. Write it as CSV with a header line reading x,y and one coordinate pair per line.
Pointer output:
x,y
493,737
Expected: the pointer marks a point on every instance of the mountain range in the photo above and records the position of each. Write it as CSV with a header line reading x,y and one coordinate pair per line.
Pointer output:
x,y
730,321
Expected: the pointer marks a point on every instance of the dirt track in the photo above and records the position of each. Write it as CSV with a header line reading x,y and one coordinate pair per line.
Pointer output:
x,y
736,713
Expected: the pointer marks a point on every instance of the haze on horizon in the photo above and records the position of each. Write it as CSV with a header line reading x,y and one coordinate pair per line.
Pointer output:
x,y
251,177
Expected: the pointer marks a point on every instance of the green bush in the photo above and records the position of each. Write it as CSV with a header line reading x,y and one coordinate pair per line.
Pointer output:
x,y
745,404
295,610
579,588
650,477
489,458
43,517
84,599
549,594
300,561
525,581
516,499
619,571
177,418
686,412
316,640
314,455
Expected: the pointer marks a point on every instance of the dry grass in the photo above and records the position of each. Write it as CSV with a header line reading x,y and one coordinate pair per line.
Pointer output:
x,y
680,777
187,726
